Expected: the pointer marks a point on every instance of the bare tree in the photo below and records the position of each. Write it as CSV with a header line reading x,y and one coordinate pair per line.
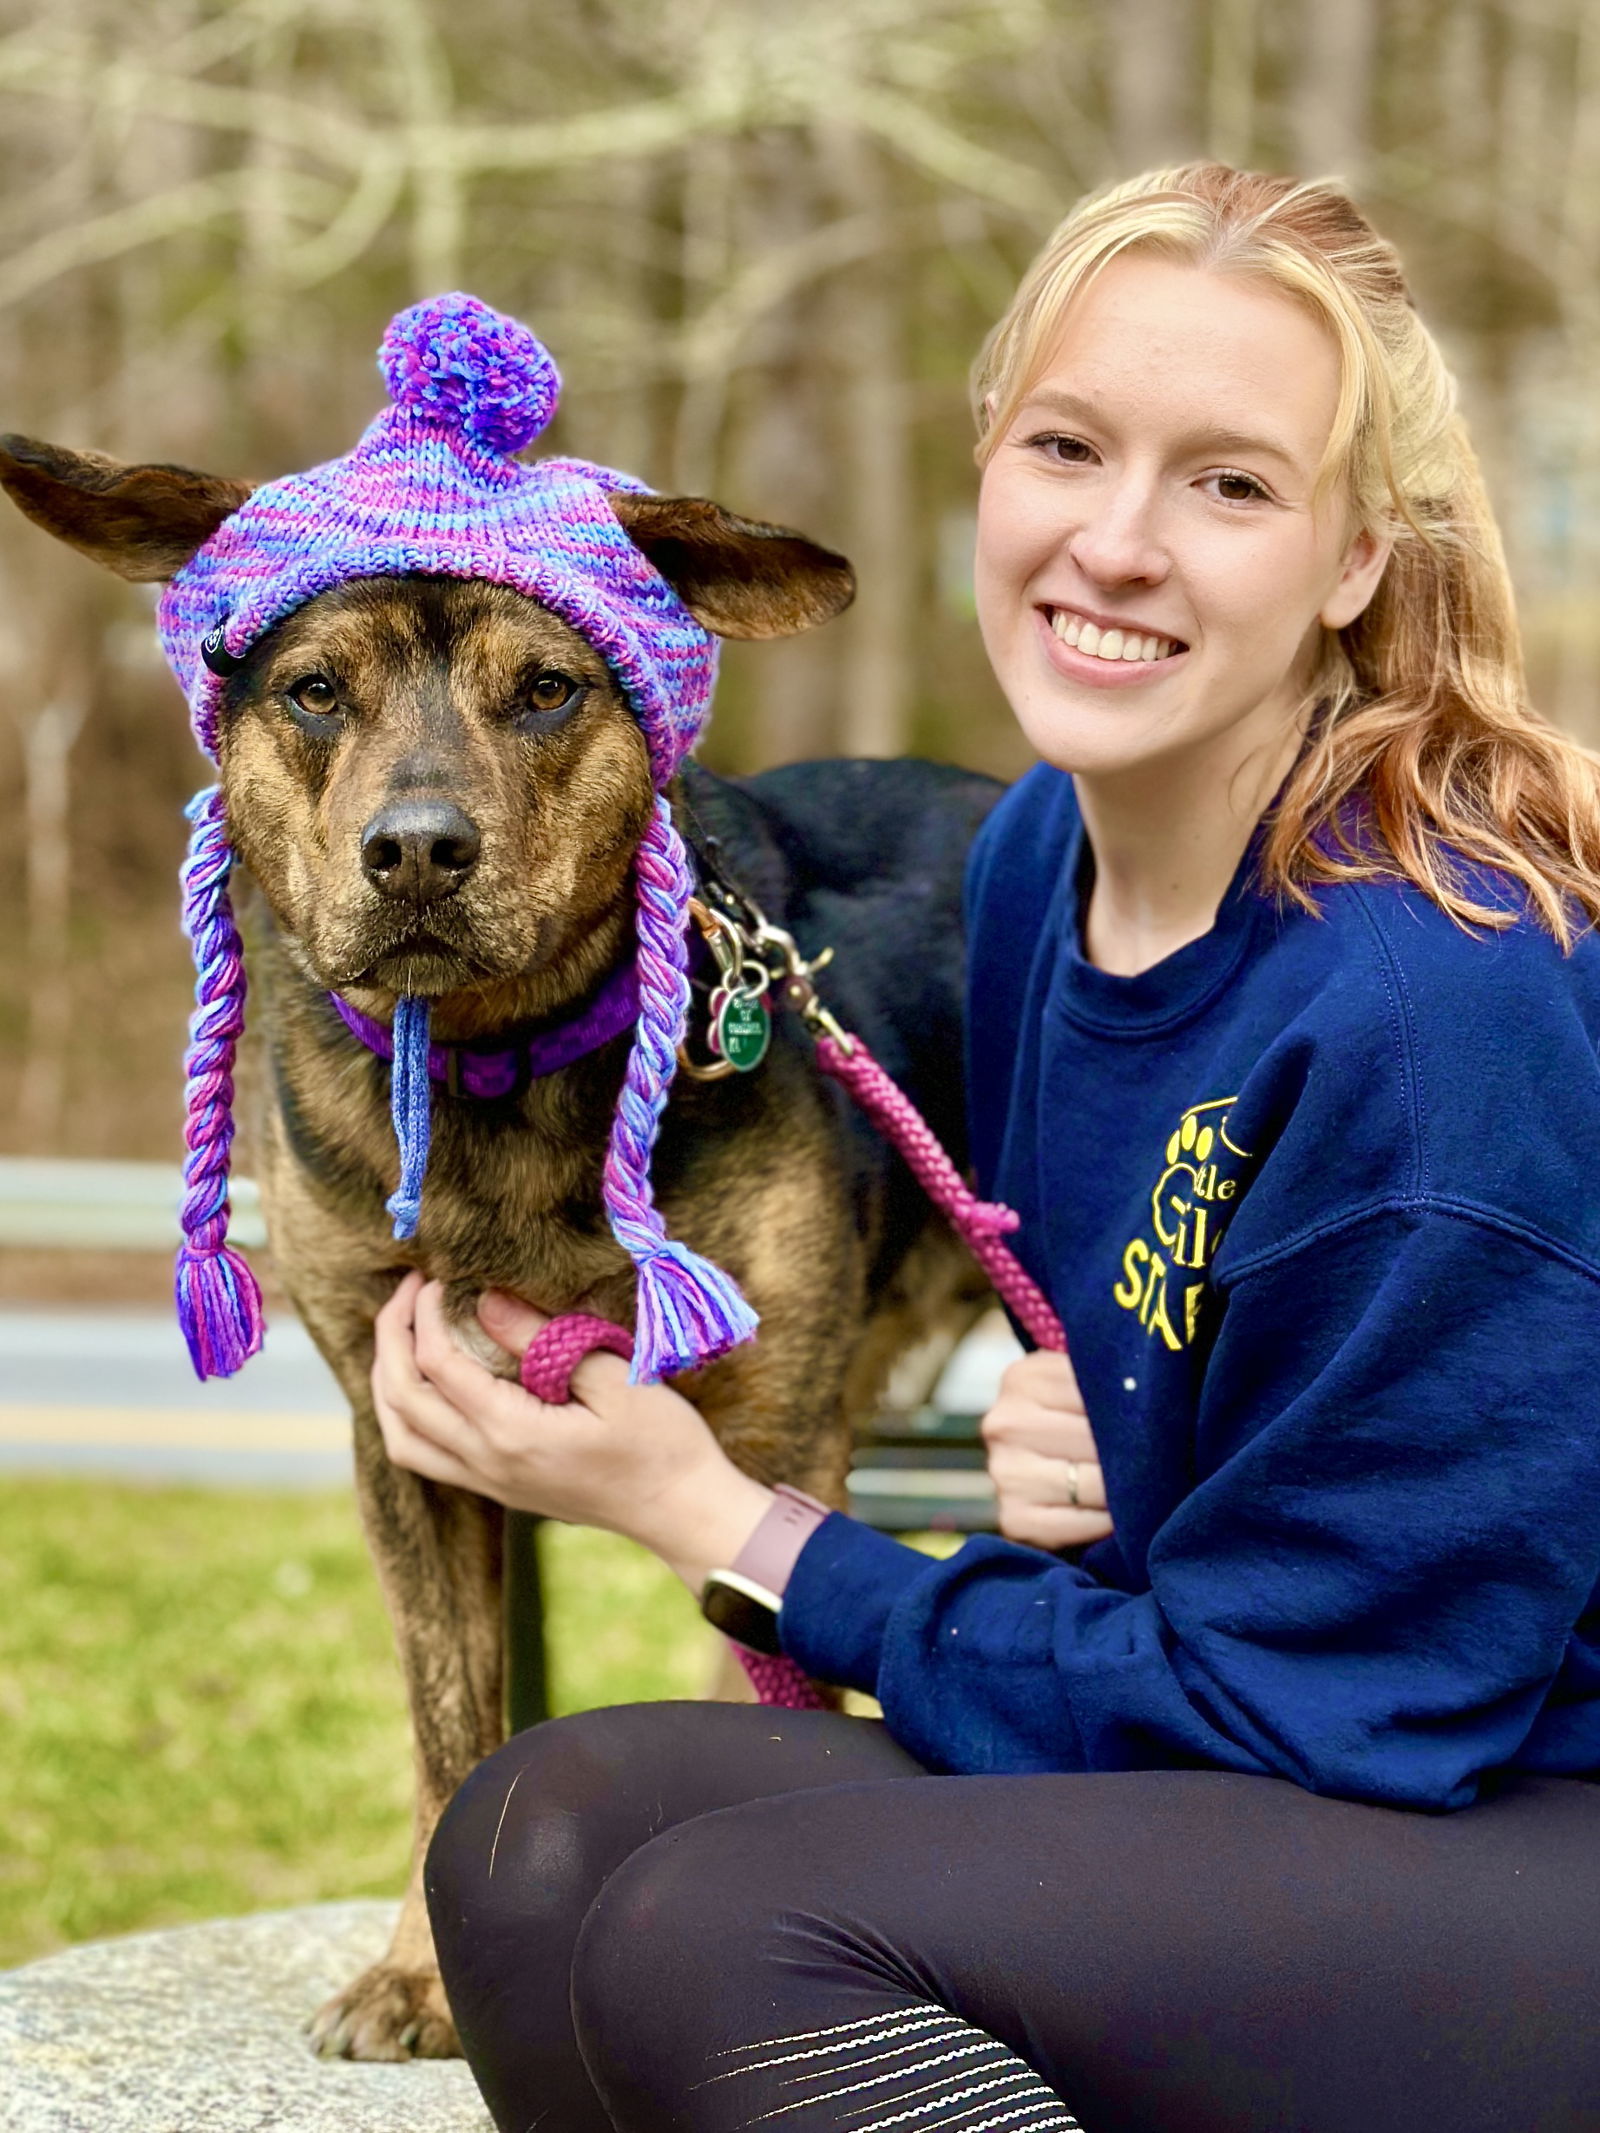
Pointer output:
x,y
47,730
1577,689
1150,66
1330,97
1231,103
870,365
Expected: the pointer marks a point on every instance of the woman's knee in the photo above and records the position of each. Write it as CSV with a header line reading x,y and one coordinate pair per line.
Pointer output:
x,y
547,1816
653,1963
530,1833
681,1951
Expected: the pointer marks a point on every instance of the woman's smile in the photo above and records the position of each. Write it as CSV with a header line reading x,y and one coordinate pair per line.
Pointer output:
x,y
1105,654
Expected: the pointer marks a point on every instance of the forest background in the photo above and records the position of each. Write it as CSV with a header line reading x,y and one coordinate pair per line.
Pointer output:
x,y
764,243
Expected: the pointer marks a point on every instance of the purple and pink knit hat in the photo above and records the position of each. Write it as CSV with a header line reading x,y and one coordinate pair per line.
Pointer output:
x,y
433,489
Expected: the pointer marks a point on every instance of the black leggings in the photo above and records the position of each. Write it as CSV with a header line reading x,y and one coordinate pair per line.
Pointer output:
x,y
713,1917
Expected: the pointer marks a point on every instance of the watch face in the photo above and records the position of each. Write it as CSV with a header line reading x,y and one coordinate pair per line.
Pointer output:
x,y
741,1610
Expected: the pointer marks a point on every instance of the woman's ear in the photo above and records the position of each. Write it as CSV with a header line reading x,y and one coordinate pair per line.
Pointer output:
x,y
142,522
1365,561
736,577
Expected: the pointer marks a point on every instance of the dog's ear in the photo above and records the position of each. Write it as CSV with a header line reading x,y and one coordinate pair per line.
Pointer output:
x,y
737,578
142,522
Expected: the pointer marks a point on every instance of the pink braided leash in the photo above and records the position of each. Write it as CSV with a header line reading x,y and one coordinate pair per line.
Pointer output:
x,y
981,1223
551,1357
779,1683
556,1350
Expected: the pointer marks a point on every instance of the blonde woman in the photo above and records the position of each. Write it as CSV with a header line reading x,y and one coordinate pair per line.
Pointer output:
x,y
1284,1015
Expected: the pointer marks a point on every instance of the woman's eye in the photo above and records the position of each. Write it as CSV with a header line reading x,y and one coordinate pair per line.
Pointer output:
x,y
315,694
553,691
1067,451
1238,488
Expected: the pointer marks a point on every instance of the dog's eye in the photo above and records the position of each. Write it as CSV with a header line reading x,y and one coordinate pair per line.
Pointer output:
x,y
315,695
552,690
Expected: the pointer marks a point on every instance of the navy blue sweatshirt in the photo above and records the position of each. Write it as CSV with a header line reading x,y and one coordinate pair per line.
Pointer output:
x,y
1317,1199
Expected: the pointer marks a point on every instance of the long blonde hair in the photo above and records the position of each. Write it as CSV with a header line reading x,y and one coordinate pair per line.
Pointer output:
x,y
1419,705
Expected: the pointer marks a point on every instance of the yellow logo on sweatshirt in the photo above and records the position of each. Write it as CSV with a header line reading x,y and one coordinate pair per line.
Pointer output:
x,y
1163,1275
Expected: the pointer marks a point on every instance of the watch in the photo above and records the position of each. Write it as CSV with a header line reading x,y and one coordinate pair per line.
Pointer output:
x,y
743,1601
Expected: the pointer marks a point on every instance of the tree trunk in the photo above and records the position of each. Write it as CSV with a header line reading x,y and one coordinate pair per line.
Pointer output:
x,y
1330,99
1577,699
1150,63
47,738
710,185
1231,81
876,645
786,468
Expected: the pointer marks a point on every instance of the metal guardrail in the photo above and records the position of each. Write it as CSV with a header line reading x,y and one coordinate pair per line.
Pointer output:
x,y
60,1204
912,1470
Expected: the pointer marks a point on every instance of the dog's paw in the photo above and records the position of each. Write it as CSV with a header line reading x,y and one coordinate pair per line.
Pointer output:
x,y
387,2014
461,1315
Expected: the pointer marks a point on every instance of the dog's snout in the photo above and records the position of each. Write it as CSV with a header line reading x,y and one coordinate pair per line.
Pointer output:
x,y
419,850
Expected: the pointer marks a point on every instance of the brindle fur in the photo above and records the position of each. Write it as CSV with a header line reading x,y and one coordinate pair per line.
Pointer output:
x,y
770,1174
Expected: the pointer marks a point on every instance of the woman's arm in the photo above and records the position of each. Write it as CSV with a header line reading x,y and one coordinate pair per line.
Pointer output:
x,y
1370,1589
1394,1528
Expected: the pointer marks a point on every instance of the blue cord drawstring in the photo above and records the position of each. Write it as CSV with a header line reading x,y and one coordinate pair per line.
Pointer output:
x,y
411,1106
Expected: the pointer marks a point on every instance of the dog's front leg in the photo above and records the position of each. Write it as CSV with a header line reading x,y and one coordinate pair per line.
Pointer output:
x,y
438,1557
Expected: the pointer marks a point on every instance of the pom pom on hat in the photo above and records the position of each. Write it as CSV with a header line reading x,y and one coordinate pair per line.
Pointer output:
x,y
454,361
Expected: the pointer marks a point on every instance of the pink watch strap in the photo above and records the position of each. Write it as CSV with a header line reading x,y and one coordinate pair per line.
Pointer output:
x,y
772,1551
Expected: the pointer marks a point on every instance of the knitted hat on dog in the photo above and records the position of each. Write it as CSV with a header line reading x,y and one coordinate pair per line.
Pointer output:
x,y
432,488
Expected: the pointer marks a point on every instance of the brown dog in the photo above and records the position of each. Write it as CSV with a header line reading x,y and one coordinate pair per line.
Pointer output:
x,y
357,738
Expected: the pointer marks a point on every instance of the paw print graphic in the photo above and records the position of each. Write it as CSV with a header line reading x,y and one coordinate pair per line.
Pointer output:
x,y
1191,1139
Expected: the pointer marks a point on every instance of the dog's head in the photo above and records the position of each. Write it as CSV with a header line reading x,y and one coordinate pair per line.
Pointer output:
x,y
438,783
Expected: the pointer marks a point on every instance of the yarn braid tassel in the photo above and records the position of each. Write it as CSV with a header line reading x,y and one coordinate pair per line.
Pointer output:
x,y
219,1304
411,1107
689,1311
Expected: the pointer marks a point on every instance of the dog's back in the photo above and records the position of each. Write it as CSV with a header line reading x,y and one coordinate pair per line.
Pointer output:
x,y
865,857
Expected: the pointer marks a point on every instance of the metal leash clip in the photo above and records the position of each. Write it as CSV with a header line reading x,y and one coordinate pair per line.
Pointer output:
x,y
797,987
751,958
794,974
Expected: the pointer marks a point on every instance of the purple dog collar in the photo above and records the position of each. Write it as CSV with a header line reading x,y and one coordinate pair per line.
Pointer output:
x,y
466,1071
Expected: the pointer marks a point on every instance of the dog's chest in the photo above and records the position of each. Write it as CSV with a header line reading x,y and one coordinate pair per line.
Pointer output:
x,y
520,1208
512,1197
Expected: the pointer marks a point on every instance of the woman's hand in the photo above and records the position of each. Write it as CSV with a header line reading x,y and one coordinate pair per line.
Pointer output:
x,y
633,1459
1042,1456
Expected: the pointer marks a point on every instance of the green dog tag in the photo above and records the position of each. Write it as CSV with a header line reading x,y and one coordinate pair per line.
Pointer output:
x,y
743,1030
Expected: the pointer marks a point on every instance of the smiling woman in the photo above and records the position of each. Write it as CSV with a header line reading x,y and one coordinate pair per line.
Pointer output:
x,y
1283,1008
1263,343
1122,510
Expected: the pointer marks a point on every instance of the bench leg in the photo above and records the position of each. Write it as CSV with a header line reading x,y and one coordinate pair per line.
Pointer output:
x,y
527,1680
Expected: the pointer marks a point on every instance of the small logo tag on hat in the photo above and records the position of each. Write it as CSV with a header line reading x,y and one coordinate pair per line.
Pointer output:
x,y
215,653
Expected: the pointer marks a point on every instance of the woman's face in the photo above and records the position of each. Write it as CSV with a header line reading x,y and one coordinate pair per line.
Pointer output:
x,y
1152,570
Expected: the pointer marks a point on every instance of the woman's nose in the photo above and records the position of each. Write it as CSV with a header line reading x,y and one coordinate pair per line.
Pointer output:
x,y
1120,540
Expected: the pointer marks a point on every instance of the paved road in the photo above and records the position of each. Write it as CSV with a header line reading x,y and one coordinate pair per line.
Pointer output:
x,y
113,1393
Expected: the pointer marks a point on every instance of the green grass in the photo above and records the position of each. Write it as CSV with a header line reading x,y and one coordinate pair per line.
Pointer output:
x,y
200,1709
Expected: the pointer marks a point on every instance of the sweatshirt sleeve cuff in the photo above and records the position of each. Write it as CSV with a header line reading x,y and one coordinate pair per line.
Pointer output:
x,y
840,1594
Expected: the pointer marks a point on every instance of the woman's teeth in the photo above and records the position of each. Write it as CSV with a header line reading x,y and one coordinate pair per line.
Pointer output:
x,y
1106,644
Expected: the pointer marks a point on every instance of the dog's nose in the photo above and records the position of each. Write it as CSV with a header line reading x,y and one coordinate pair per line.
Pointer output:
x,y
419,850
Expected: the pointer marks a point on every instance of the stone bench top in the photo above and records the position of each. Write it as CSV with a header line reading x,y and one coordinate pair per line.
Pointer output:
x,y
202,2030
